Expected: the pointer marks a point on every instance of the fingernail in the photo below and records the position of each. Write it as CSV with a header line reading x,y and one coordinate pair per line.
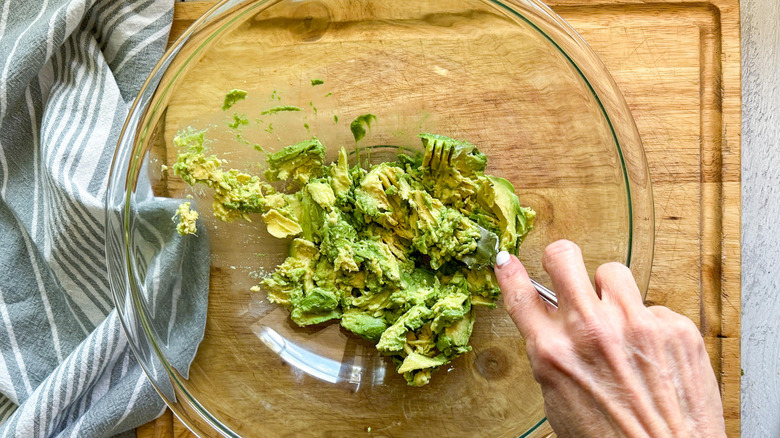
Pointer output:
x,y
502,258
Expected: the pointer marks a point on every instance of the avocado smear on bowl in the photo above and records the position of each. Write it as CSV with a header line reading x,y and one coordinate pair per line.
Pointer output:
x,y
378,249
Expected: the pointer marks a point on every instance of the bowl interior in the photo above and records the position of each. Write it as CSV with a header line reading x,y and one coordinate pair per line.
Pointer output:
x,y
483,71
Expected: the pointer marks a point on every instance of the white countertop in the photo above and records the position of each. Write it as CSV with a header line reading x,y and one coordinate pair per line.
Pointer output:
x,y
760,218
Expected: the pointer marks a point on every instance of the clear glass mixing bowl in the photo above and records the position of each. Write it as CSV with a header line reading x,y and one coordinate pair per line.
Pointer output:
x,y
510,77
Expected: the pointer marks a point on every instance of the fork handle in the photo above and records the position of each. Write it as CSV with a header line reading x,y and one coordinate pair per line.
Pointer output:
x,y
545,293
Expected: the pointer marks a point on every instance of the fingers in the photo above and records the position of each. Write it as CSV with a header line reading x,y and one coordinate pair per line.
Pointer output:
x,y
563,262
523,303
683,328
615,284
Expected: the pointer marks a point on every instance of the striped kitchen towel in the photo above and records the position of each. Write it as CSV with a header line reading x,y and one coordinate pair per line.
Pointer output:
x,y
69,70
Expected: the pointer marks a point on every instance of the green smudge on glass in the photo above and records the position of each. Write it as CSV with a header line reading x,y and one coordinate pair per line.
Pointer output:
x,y
238,121
279,109
232,97
360,125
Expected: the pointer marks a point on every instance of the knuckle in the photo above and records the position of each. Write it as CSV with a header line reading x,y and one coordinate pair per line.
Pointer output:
x,y
540,354
643,330
678,326
560,249
545,376
611,270
687,331
616,279
546,364
516,302
545,356
597,333
531,343
661,312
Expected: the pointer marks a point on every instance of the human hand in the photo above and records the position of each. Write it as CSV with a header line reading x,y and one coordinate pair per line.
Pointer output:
x,y
608,365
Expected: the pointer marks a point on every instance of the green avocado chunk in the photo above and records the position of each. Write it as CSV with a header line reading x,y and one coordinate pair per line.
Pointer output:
x,y
454,340
416,361
315,306
232,97
301,162
360,125
380,248
394,338
363,324
187,219
514,221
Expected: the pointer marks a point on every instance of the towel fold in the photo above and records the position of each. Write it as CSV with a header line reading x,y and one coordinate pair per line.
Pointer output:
x,y
69,70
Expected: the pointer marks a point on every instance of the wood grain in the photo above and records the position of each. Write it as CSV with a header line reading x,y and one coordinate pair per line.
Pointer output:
x,y
678,65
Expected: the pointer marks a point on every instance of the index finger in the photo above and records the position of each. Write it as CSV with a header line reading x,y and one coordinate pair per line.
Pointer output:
x,y
523,303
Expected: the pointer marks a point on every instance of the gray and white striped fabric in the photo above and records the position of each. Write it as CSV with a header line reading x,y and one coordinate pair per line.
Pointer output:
x,y
69,70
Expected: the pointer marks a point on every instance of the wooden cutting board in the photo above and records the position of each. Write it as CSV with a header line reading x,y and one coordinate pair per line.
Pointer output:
x,y
678,64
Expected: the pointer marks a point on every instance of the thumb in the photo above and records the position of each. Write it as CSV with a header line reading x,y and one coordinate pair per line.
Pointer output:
x,y
521,300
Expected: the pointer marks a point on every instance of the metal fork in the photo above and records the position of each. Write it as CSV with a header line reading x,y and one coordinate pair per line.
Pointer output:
x,y
485,255
487,245
545,293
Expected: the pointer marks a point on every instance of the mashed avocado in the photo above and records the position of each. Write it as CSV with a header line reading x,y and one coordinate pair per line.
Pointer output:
x,y
187,219
360,125
232,97
379,249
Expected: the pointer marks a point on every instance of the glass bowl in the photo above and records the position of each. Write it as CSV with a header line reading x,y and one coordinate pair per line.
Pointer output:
x,y
510,77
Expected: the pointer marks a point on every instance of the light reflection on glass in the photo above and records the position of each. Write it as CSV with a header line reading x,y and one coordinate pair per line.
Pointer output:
x,y
310,363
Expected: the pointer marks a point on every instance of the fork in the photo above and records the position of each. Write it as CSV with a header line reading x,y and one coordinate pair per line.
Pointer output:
x,y
485,255
487,245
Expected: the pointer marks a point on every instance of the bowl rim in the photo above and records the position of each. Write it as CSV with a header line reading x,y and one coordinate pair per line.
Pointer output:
x,y
534,12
